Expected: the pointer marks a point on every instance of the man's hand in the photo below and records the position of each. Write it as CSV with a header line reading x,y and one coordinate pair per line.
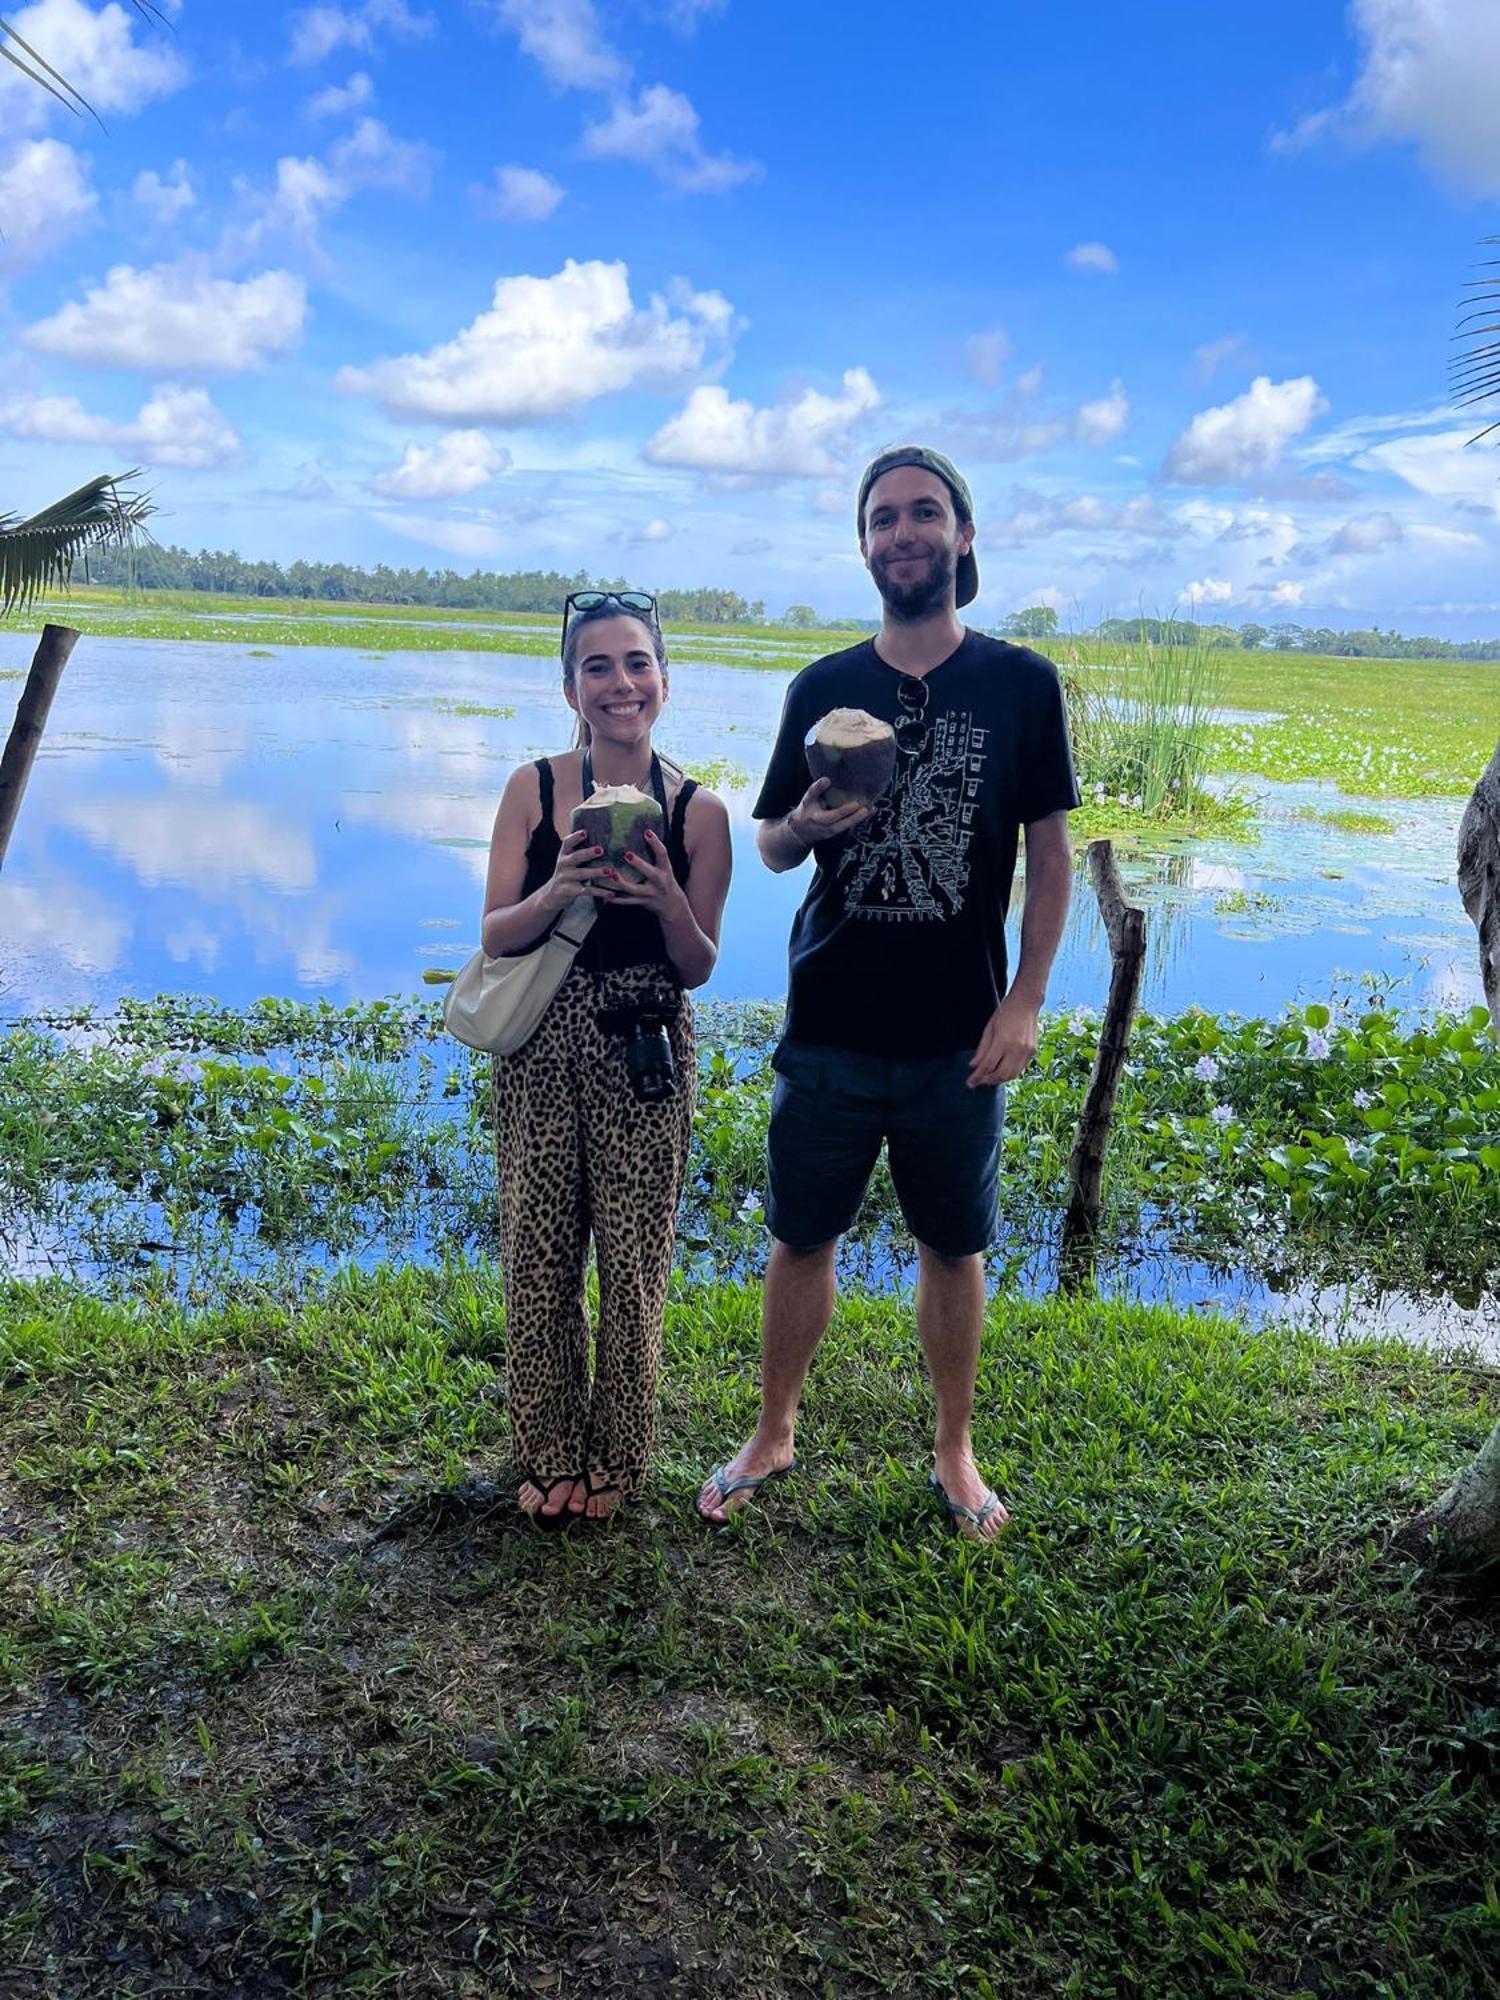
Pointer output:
x,y
812,822
1007,1044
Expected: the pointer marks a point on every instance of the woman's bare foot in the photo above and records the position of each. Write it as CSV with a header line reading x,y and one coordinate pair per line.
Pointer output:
x,y
601,1505
547,1506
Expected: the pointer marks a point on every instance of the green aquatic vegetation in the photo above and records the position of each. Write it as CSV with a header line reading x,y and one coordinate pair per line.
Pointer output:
x,y
206,1138
1243,902
719,774
474,708
1187,1718
1347,819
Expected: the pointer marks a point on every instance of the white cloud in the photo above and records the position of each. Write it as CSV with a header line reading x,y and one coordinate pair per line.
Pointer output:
x,y
985,355
338,99
318,31
1092,257
164,201
567,39
1277,596
472,539
1208,590
1036,516
1019,427
44,198
547,346
1239,439
308,189
177,426
176,316
1214,354
1441,464
1363,535
520,194
1427,78
684,15
98,55
458,463
651,531
1103,419
797,439
660,131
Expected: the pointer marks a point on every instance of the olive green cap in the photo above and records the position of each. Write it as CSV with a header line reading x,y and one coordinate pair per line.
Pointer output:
x,y
967,576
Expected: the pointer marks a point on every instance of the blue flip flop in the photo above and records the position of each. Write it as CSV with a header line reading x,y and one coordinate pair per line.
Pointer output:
x,y
958,1514
746,1483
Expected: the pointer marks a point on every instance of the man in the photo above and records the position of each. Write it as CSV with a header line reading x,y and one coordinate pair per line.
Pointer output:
x,y
900,1024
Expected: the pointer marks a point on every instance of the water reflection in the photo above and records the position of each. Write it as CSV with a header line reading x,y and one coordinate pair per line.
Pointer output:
x,y
201,819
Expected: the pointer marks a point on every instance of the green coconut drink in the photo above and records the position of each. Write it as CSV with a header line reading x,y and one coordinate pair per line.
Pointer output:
x,y
856,752
616,818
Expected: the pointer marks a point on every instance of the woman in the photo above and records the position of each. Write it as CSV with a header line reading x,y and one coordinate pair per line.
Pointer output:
x,y
581,1153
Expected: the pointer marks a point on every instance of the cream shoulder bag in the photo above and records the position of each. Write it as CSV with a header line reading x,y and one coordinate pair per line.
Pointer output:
x,y
496,1003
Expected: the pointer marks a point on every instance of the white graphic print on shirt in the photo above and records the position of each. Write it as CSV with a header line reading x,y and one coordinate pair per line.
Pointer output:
x,y
909,862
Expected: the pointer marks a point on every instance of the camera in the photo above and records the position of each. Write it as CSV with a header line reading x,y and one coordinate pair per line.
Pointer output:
x,y
649,1063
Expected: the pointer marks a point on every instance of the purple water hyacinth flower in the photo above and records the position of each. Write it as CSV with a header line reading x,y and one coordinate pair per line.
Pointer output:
x,y
1222,1115
1206,1068
1318,1044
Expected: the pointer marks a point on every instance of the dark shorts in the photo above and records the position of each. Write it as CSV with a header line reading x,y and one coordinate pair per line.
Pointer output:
x,y
830,1110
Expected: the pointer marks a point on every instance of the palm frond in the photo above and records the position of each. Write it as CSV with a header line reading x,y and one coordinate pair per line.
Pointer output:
x,y
35,66
38,553
1475,373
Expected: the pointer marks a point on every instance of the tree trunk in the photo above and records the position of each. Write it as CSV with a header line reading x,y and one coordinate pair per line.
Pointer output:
x,y
57,642
1465,1521
1126,929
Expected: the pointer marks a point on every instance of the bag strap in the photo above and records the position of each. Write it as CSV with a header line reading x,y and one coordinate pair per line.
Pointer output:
x,y
679,812
575,923
545,786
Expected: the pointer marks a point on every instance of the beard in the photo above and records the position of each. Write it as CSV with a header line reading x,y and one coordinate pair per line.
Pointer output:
x,y
910,602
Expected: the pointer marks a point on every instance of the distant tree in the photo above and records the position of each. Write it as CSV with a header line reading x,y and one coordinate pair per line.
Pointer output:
x,y
1040,621
799,614
1253,637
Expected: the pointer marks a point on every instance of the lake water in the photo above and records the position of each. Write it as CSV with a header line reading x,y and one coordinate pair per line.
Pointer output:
x,y
202,820
205,821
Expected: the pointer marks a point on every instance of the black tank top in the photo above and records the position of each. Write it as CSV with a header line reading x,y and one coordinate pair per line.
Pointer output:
x,y
621,935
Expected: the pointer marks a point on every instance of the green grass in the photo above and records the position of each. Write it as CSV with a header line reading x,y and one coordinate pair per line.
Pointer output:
x,y
1347,819
1188,1732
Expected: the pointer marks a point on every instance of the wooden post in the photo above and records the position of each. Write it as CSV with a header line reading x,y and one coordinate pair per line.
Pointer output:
x,y
56,643
1125,926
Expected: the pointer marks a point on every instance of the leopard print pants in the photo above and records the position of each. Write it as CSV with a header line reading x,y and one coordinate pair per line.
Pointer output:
x,y
580,1155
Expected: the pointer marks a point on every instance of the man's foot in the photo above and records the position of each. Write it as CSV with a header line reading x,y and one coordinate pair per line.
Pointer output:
x,y
974,1508
730,1488
549,1505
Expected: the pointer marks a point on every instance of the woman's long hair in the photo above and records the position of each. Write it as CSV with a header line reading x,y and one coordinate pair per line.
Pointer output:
x,y
570,650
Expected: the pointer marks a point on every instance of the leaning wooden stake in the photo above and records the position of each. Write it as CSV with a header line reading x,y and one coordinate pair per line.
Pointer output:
x,y
57,642
1464,1522
1125,926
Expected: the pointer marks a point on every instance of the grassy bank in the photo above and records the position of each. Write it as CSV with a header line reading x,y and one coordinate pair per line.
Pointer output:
x,y
1189,1733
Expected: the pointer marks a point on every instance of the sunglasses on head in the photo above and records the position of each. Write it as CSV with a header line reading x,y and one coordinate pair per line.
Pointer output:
x,y
640,603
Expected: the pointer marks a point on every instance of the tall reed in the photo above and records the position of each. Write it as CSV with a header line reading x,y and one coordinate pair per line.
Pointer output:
x,y
1143,718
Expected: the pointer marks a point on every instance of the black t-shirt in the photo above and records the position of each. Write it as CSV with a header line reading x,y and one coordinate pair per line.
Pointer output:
x,y
899,946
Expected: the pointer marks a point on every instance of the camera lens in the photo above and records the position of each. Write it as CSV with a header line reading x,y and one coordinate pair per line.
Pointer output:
x,y
648,1061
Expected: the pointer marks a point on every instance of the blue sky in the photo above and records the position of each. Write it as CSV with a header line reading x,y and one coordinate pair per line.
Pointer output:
x,y
638,285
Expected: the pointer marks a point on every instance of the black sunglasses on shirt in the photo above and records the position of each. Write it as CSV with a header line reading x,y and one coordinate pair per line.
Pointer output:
x,y
910,726
640,603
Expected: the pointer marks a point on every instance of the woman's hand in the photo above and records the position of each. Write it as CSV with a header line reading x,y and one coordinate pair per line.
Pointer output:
x,y
658,889
577,874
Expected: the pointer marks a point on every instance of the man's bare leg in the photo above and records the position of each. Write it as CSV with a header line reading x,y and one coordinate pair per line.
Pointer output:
x,y
950,1320
795,1311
